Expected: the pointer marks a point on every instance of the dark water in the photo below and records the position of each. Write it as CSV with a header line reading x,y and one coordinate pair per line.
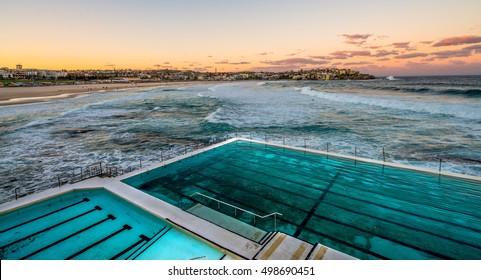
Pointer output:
x,y
416,119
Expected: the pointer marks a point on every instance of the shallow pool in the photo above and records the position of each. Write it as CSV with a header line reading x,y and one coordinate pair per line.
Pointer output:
x,y
367,210
95,225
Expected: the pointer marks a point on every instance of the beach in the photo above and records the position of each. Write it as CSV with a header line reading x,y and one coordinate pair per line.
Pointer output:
x,y
25,95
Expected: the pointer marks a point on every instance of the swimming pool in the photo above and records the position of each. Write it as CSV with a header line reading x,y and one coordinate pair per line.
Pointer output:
x,y
95,225
364,209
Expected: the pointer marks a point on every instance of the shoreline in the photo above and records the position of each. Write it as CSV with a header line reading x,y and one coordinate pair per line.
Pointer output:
x,y
10,96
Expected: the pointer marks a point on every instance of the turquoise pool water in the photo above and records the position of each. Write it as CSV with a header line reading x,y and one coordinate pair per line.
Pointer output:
x,y
94,225
367,210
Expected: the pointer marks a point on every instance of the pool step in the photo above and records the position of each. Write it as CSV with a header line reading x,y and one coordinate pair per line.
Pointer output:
x,y
284,247
321,252
149,243
228,222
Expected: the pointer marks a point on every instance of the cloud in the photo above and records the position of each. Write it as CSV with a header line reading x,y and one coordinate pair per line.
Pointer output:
x,y
240,63
383,53
157,65
381,37
320,57
109,65
476,48
384,59
411,55
298,51
357,43
209,56
456,41
295,61
356,39
356,36
349,54
426,42
403,45
357,63
453,53
432,58
232,63
457,62
167,62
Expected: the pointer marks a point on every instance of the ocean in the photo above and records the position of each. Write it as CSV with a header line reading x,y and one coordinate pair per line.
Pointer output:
x,y
416,120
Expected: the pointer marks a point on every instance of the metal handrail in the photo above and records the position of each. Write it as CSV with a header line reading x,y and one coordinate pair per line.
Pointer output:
x,y
199,257
241,209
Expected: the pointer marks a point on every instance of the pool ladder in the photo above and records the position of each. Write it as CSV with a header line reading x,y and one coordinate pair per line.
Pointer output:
x,y
219,202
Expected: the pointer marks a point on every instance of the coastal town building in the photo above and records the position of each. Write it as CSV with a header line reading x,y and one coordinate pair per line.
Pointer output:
x,y
31,76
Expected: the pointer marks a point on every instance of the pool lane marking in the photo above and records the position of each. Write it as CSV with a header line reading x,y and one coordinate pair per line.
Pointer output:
x,y
43,216
299,251
159,232
96,208
316,205
124,227
320,253
152,243
142,237
109,217
273,247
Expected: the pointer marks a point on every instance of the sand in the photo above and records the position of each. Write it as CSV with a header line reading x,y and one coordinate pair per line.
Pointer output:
x,y
25,95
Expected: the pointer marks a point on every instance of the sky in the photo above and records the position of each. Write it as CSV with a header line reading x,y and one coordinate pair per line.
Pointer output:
x,y
389,37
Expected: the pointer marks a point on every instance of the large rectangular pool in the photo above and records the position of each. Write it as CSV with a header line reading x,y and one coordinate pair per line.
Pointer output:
x,y
367,210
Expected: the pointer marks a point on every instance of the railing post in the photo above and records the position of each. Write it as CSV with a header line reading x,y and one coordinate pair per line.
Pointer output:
x,y
305,143
383,155
81,173
59,184
440,161
161,156
100,169
327,151
355,155
140,163
16,193
275,222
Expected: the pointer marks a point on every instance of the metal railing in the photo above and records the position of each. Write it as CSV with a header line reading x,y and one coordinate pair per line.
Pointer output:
x,y
376,153
240,209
